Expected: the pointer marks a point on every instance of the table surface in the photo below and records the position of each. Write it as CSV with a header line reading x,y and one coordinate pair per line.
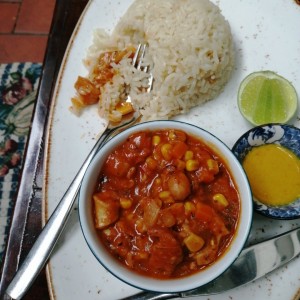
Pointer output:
x,y
27,218
26,222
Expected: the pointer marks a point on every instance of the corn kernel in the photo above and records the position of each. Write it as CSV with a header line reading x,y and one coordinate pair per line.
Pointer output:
x,y
151,163
158,181
140,226
107,232
125,203
164,194
180,164
194,242
155,140
169,200
115,116
192,165
172,135
212,165
129,217
143,177
188,155
177,135
189,207
166,197
142,255
212,243
166,151
220,199
124,108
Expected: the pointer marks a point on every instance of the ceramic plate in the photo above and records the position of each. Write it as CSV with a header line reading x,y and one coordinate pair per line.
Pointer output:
x,y
266,37
279,134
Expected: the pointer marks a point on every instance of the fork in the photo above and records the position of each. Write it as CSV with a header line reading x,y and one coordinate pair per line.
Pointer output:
x,y
44,244
112,128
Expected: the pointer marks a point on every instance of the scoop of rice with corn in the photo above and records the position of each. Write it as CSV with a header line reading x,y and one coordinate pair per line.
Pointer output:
x,y
190,53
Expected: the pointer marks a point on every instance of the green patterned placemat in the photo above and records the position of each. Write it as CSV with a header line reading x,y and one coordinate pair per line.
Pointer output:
x,y
18,86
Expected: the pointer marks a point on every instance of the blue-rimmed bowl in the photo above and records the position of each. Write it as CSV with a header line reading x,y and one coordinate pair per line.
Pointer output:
x,y
281,134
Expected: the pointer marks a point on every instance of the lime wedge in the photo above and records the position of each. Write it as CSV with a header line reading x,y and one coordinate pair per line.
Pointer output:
x,y
266,97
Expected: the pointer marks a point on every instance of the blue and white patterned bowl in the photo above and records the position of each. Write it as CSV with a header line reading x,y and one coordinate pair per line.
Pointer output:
x,y
280,134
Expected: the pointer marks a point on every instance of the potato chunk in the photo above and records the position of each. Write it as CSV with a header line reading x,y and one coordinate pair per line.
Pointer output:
x,y
106,210
194,242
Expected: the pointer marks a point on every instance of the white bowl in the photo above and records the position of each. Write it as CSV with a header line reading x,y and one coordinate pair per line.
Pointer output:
x,y
166,285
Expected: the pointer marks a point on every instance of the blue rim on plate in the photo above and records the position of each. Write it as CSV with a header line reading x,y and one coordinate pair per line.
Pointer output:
x,y
281,134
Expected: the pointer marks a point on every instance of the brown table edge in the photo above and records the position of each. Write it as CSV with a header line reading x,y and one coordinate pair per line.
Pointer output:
x,y
29,197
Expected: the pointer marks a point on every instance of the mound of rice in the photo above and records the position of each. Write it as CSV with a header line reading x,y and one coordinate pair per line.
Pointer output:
x,y
190,54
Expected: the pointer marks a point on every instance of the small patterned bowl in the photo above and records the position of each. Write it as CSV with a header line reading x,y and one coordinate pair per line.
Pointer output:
x,y
281,134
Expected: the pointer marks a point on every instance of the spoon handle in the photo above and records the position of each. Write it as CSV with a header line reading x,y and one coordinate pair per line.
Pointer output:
x,y
44,244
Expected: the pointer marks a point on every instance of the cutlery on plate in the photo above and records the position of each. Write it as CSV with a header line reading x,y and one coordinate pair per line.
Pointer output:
x,y
254,262
44,244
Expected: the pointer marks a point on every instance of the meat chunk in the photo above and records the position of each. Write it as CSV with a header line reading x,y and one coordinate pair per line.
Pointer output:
x,y
165,253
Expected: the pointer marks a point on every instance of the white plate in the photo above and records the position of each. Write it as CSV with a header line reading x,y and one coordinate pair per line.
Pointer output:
x,y
266,37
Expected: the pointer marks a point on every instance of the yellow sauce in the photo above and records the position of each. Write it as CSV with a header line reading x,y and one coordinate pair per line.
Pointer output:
x,y
274,174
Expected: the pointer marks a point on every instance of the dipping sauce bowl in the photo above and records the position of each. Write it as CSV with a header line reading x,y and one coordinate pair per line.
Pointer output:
x,y
270,155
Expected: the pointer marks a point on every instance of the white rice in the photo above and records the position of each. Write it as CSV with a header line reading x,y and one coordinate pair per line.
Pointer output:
x,y
190,53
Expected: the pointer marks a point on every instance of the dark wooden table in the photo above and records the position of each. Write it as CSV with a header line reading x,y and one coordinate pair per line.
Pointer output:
x,y
26,222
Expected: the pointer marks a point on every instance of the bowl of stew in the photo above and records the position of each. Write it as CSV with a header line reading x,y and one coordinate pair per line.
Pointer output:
x,y
165,206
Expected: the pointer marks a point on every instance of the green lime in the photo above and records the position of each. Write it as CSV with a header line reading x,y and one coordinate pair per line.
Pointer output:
x,y
266,97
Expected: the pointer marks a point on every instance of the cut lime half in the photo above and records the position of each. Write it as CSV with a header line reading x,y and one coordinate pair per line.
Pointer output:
x,y
266,97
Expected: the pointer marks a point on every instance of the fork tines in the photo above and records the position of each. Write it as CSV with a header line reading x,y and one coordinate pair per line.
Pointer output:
x,y
138,56
137,62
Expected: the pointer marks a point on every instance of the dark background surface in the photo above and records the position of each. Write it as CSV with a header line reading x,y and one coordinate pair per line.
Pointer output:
x,y
27,218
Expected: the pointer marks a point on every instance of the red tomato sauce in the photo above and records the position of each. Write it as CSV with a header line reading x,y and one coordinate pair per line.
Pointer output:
x,y
165,204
